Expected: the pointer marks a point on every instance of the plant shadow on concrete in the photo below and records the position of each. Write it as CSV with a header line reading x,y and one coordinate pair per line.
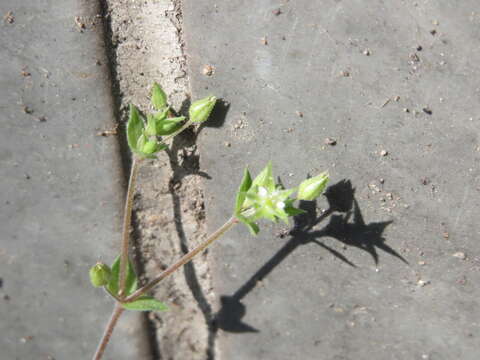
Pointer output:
x,y
190,166
341,199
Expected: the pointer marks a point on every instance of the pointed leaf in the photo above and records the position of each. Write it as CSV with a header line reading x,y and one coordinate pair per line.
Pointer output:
x,y
145,303
134,128
131,280
265,178
244,186
159,98
254,229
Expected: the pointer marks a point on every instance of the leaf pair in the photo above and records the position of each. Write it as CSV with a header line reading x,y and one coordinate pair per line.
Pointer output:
x,y
143,303
138,141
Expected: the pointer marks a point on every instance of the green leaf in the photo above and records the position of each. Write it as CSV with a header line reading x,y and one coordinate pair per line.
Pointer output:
x,y
131,280
150,129
265,178
134,128
253,227
145,303
159,98
244,186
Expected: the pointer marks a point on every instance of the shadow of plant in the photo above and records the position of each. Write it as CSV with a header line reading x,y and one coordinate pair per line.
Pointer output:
x,y
358,234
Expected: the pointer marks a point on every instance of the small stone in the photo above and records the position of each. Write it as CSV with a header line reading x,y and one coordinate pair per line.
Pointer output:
x,y
208,70
414,58
419,48
9,18
345,73
424,181
460,255
406,110
277,12
423,283
383,153
41,119
435,22
446,235
227,144
381,180
427,111
299,113
367,52
396,98
27,110
421,263
264,40
433,32
330,141
27,176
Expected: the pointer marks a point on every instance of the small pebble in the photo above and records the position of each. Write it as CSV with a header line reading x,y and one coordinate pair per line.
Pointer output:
x,y
433,31
330,141
406,110
208,70
427,110
277,12
299,113
264,40
396,98
423,283
460,255
367,52
383,153
345,73
381,180
227,144
419,48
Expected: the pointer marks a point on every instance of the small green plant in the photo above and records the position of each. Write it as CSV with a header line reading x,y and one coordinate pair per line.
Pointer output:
x,y
260,198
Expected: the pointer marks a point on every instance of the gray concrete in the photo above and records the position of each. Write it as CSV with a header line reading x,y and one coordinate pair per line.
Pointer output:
x,y
61,185
318,293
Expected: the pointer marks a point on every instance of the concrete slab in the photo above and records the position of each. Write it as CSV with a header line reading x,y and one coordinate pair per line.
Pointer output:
x,y
390,270
61,184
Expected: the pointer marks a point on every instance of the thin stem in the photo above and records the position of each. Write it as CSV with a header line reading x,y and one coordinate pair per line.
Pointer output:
x,y
127,219
107,334
183,260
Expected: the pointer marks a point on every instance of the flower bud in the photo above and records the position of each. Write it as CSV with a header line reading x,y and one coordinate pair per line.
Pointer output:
x,y
200,110
100,274
311,188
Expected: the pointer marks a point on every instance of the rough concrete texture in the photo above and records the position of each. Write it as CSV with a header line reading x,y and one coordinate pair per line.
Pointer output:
x,y
146,42
384,95
61,186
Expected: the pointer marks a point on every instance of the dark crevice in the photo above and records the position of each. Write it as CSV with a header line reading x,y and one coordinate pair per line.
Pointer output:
x,y
125,156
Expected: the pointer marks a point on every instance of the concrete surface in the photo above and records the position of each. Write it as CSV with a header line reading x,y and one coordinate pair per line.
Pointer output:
x,y
61,185
391,269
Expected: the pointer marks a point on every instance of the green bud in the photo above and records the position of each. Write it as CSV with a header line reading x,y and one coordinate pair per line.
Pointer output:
x,y
200,110
159,98
100,274
311,188
150,147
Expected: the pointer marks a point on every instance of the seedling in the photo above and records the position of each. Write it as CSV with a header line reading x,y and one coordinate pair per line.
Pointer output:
x,y
257,199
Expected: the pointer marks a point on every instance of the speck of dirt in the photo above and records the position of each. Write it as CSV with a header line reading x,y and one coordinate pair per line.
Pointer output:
x,y
445,235
330,141
460,255
427,111
42,119
25,72
27,176
419,48
80,24
344,73
6,297
264,40
299,113
208,70
383,153
9,17
27,110
367,52
277,12
1,283
425,181
414,58
433,32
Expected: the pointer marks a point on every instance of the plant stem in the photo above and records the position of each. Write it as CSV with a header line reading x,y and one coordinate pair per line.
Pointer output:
x,y
127,219
117,311
183,260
